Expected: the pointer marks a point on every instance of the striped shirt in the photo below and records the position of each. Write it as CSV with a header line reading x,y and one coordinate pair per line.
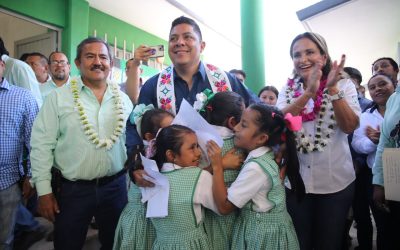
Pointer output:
x,y
18,110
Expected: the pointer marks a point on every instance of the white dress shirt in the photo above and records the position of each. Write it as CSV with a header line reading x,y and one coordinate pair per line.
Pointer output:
x,y
331,170
361,143
252,184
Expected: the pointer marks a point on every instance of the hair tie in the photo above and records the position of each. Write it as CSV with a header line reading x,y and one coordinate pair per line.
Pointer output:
x,y
202,99
137,115
293,123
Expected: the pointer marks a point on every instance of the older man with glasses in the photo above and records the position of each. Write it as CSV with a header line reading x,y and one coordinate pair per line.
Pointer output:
x,y
59,68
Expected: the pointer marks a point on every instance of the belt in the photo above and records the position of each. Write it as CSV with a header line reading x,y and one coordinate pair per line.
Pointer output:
x,y
98,181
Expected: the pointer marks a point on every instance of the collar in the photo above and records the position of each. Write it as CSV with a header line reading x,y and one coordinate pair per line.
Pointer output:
x,y
200,70
224,132
55,85
5,84
398,89
166,167
258,152
81,85
4,58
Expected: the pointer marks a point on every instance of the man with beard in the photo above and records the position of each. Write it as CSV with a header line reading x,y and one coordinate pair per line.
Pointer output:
x,y
59,71
80,130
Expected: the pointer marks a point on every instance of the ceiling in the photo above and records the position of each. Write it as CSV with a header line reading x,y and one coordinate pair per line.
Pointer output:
x,y
362,29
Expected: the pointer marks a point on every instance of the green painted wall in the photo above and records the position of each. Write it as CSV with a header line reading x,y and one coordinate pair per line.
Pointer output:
x,y
104,23
48,11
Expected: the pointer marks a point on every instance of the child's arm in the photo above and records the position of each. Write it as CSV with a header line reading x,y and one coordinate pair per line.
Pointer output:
x,y
232,159
219,189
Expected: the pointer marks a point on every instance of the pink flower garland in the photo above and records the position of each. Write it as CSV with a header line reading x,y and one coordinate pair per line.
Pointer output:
x,y
317,103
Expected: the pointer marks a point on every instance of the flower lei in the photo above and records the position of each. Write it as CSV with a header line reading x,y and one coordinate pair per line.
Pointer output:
x,y
88,128
322,107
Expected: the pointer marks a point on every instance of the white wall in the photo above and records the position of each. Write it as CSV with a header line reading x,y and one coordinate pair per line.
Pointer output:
x,y
13,29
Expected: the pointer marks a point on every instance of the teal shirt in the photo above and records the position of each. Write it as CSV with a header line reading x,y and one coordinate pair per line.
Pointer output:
x,y
391,119
21,74
48,87
58,138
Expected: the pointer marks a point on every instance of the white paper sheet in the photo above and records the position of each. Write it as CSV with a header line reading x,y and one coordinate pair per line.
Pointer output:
x,y
189,117
157,196
391,173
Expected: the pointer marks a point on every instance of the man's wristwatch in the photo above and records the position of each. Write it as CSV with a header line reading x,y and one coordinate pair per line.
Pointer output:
x,y
337,96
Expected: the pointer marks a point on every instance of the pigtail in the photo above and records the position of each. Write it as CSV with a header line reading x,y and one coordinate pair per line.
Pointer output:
x,y
134,161
293,165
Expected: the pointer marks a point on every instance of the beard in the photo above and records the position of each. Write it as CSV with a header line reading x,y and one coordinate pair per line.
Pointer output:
x,y
59,76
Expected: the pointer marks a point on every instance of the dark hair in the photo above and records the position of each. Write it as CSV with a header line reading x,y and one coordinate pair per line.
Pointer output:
x,y
151,121
3,50
187,20
391,61
238,71
353,73
271,121
221,107
56,52
169,138
322,46
24,56
89,40
43,58
269,88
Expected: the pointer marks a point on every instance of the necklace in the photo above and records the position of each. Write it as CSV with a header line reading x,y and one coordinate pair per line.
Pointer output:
x,y
322,108
89,129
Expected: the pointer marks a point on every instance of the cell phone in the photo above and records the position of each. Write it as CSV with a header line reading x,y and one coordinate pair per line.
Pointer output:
x,y
157,51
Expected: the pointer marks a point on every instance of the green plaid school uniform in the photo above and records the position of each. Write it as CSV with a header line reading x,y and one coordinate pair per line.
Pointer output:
x,y
266,230
219,228
134,231
180,230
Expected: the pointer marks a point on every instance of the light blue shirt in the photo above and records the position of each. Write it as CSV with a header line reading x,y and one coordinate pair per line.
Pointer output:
x,y
391,119
21,74
48,87
58,138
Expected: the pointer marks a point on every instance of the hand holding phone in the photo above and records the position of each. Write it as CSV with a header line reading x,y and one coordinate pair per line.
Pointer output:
x,y
157,51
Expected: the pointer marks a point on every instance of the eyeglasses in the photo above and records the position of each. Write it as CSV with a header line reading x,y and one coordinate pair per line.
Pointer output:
x,y
61,63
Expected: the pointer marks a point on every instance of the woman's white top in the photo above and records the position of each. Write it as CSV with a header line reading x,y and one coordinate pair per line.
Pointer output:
x,y
203,194
332,170
252,183
361,143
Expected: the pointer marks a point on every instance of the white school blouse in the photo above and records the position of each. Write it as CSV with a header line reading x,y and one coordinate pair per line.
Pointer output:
x,y
361,143
203,194
252,183
332,170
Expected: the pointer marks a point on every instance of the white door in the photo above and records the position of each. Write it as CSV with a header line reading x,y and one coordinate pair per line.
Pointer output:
x,y
44,43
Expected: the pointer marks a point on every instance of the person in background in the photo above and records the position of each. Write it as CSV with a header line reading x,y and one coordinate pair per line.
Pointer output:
x,y
269,95
387,66
240,74
20,74
40,65
330,111
356,78
79,139
365,140
389,138
59,71
18,110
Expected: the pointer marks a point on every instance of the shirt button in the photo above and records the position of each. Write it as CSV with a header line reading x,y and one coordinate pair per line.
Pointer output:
x,y
308,166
